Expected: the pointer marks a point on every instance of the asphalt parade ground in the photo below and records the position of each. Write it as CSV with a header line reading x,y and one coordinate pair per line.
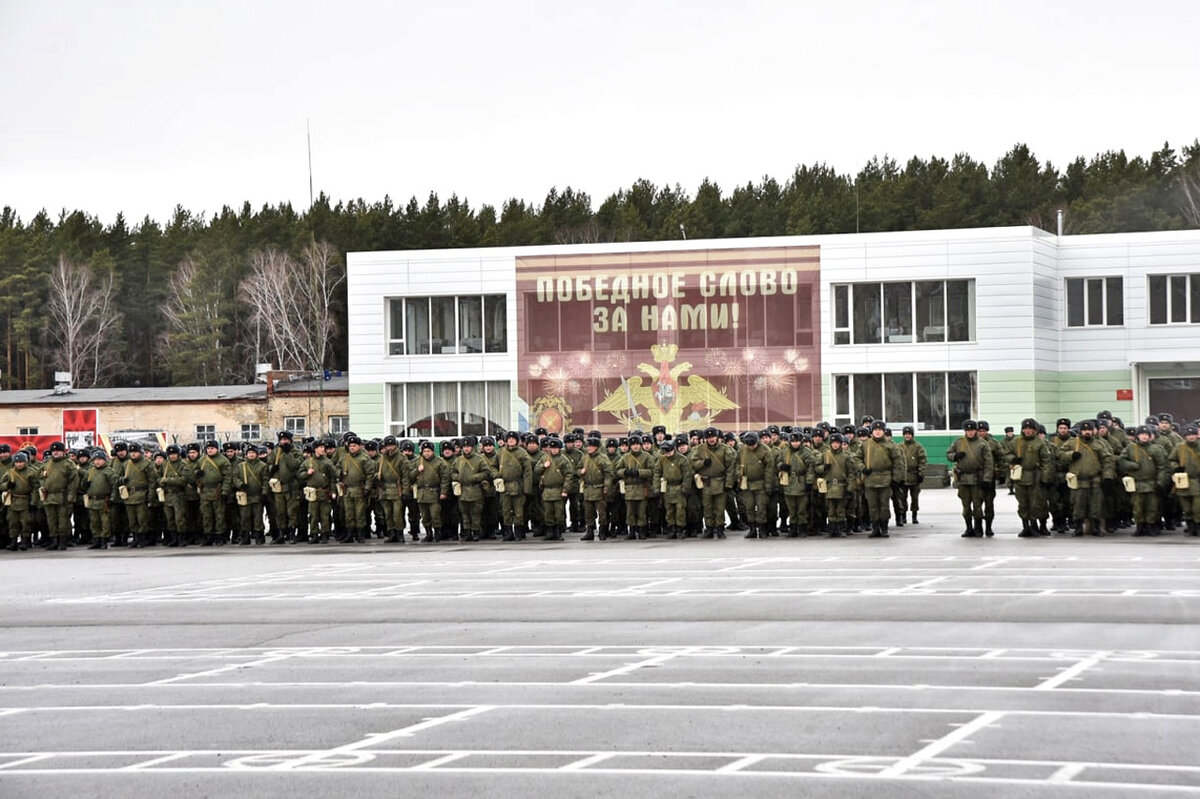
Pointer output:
x,y
924,665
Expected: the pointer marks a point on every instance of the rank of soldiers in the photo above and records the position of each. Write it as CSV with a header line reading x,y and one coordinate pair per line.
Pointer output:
x,y
1090,478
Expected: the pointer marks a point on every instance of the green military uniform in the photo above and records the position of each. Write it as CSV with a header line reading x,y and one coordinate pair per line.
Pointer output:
x,y
212,480
554,474
1092,464
249,478
1147,466
514,468
354,472
283,470
792,463
19,490
835,470
430,477
635,472
99,485
319,478
673,474
757,478
139,478
174,479
1185,459
472,472
389,483
59,482
973,465
882,466
716,465
1031,473
915,461
595,472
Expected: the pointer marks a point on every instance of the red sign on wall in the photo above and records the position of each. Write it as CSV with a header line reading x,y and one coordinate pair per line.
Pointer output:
x,y
619,341
1124,394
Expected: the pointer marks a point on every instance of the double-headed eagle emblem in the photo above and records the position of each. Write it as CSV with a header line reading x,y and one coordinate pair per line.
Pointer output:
x,y
665,400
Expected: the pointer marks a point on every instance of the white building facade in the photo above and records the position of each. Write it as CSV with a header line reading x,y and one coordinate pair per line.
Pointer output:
x,y
925,328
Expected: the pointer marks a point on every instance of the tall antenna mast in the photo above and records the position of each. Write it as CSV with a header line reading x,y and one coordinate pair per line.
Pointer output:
x,y
308,131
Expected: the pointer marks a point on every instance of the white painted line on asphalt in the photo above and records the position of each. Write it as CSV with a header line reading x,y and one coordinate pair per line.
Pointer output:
x,y
578,765
942,744
887,652
1072,672
630,668
738,765
155,761
925,583
371,741
990,562
224,669
440,761
1067,773
24,760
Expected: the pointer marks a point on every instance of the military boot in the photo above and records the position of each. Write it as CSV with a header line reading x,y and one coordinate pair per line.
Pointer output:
x,y
883,529
753,532
988,528
969,532
914,517
1026,529
1042,529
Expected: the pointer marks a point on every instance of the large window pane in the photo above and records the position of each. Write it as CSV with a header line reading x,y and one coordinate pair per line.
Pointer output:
x,y
868,322
898,397
474,409
420,411
445,409
1195,297
499,406
868,396
396,417
395,327
1179,298
897,311
416,320
931,400
931,310
1114,301
1095,302
961,389
1075,302
841,314
444,329
841,395
1158,300
960,310
470,324
495,323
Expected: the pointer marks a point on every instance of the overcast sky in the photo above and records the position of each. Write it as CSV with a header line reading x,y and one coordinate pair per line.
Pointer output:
x,y
136,106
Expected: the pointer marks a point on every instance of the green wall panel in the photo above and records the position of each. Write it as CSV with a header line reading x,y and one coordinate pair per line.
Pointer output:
x,y
367,409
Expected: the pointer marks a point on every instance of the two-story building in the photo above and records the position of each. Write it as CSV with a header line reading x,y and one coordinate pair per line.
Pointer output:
x,y
926,328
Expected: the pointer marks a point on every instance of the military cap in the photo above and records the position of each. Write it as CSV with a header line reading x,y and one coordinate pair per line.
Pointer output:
x,y
908,430
1087,424
667,445
1063,422
879,424
577,431
1166,417
407,446
861,432
58,446
848,430
711,432
593,434
818,431
750,438
469,441
99,453
329,444
120,446
866,420
1041,428
1031,423
553,442
487,441
624,442
229,445
541,431
658,428
135,447
593,442
1152,420
730,436
1191,430
284,434
1104,415
20,457
193,447
970,424
612,442
795,436
426,445
983,425
773,429
371,446
5,448
211,443
837,438
173,449
512,435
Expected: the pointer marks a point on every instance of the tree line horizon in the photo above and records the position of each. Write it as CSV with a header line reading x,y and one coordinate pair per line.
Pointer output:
x,y
200,299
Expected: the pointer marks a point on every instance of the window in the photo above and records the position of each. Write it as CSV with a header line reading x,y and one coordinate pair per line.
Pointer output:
x,y
1095,301
251,432
443,410
447,325
296,425
925,311
1174,299
205,431
339,425
27,431
927,400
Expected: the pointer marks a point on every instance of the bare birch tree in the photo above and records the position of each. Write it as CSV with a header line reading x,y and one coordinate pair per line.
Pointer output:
x,y
84,324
